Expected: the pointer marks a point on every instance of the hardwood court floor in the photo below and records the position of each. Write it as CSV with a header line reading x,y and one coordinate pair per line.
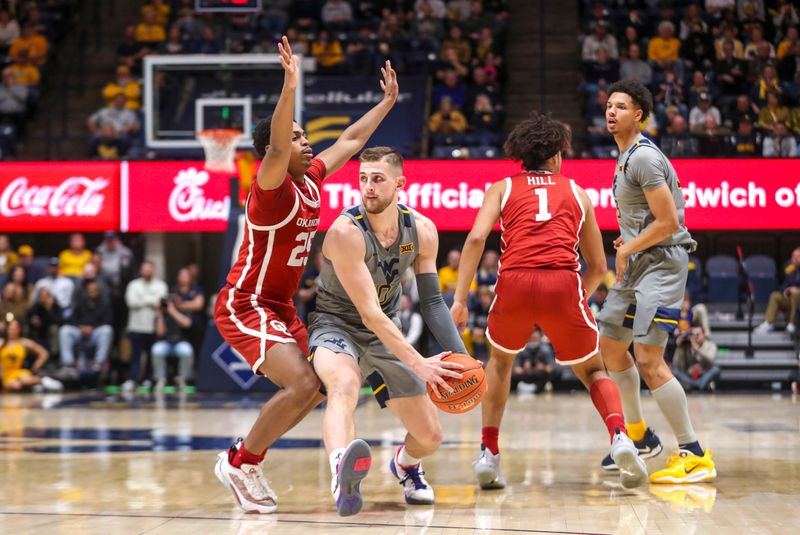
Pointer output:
x,y
93,465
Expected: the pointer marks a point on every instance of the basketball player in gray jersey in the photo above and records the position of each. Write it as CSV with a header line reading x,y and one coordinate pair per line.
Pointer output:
x,y
355,332
643,307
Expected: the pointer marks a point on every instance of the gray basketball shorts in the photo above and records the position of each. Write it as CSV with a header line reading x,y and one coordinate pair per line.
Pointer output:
x,y
387,376
645,308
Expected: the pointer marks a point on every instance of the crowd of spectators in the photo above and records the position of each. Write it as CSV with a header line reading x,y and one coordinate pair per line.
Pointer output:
x,y
725,74
28,32
459,43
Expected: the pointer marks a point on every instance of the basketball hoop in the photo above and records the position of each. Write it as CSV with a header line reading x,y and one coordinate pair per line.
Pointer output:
x,y
219,146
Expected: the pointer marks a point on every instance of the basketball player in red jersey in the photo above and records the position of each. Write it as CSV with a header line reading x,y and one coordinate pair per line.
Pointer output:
x,y
544,218
254,311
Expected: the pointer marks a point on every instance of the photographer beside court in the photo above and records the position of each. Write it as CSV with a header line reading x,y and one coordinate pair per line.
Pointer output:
x,y
693,364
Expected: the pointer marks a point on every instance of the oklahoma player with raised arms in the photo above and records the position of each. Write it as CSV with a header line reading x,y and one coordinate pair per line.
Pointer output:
x,y
254,311
544,218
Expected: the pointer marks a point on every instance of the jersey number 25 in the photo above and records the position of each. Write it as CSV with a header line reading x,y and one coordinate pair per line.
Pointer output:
x,y
299,255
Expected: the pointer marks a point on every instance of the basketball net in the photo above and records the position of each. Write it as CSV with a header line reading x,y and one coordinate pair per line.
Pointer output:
x,y
219,146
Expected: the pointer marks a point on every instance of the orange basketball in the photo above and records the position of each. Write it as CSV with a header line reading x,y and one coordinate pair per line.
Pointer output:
x,y
467,391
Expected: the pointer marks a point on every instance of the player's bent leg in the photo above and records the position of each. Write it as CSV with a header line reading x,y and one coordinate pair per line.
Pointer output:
x,y
421,419
607,401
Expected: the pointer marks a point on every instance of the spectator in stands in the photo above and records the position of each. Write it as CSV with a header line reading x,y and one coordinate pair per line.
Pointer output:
x,y
117,260
477,322
360,52
173,333
428,28
124,122
90,326
598,299
90,275
693,363
161,8
13,350
75,257
8,258
109,146
25,73
43,319
34,44
275,18
449,62
437,7
410,321
130,52
744,108
699,86
175,45
630,37
12,302
697,49
692,17
488,269
789,72
452,88
446,122
33,271
13,100
729,75
670,92
337,15
758,46
787,298
535,366
779,143
58,285
746,142
773,114
634,68
597,136
328,53
149,32
207,43
704,108
485,43
143,297
663,49
762,60
678,142
448,274
478,18
766,83
600,73
19,276
785,15
729,32
485,122
125,85
190,299
750,10
600,38
788,43
9,30
457,42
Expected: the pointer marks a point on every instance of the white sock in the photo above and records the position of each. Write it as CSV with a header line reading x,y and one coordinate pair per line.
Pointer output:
x,y
334,458
404,459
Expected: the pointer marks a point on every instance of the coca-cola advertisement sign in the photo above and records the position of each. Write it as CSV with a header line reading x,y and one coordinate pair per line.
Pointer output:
x,y
59,196
175,196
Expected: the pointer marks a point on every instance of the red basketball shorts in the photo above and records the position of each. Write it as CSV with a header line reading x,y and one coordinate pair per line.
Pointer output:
x,y
252,325
552,299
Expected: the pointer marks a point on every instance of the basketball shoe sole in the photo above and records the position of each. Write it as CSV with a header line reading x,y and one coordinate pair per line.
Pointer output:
x,y
353,467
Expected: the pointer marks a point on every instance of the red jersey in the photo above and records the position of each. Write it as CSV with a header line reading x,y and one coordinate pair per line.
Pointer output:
x,y
541,218
279,227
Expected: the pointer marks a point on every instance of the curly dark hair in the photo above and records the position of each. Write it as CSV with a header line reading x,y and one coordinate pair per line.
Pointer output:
x,y
261,135
639,94
537,139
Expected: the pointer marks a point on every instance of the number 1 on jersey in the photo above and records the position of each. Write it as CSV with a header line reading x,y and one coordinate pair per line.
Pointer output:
x,y
544,214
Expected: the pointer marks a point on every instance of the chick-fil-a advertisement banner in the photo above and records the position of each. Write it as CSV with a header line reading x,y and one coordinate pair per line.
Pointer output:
x,y
183,197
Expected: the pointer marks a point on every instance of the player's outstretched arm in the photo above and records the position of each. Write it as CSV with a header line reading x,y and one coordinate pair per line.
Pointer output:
x,y
591,244
344,246
272,171
662,205
357,134
487,216
432,306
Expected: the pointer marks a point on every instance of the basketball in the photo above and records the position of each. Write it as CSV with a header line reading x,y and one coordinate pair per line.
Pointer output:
x,y
467,391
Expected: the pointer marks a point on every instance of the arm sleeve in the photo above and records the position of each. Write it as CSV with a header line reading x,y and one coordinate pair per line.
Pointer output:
x,y
646,169
435,313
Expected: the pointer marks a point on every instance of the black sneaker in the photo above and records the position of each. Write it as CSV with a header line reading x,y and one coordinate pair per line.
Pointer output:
x,y
648,447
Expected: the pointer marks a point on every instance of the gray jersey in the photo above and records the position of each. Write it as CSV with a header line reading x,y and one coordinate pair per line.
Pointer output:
x,y
641,168
385,265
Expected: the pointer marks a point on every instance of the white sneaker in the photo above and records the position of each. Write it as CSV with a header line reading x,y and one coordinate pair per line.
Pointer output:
x,y
248,484
487,470
526,388
416,489
790,328
129,386
51,385
160,385
764,328
632,470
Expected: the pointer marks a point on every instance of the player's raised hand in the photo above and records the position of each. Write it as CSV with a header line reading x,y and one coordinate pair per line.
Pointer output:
x,y
434,370
290,63
460,314
389,83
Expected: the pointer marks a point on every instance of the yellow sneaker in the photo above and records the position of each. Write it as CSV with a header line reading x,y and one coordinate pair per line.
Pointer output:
x,y
685,467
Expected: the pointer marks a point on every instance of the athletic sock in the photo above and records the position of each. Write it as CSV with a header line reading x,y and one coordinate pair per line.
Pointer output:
x,y
671,399
334,458
404,459
489,438
694,447
629,385
606,399
636,430
242,456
